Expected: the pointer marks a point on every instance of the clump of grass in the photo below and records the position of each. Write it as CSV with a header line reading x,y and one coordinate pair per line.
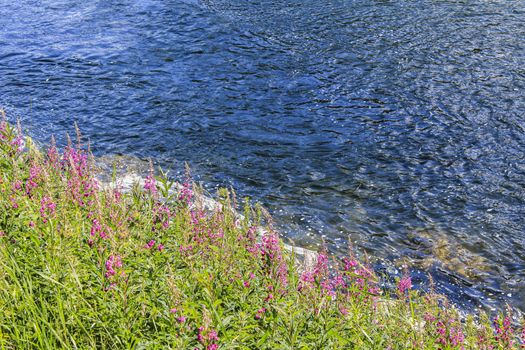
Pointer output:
x,y
87,266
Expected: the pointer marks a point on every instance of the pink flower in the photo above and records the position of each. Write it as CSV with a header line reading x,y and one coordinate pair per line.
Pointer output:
x,y
212,347
34,173
349,264
322,264
117,195
19,143
456,336
181,319
114,261
212,335
47,208
404,285
96,227
186,193
17,185
429,318
150,244
260,313
160,247
173,310
503,331
52,154
271,254
150,185
200,337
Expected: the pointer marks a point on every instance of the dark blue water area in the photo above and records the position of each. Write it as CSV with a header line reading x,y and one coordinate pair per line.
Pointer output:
x,y
397,125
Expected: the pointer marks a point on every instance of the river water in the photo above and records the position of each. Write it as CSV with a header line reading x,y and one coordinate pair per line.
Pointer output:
x,y
399,125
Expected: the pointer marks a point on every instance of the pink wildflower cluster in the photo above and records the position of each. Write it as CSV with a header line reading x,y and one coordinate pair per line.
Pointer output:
x,y
114,261
186,193
150,185
16,143
82,189
317,274
260,313
81,184
162,216
151,244
117,195
76,161
504,331
208,338
205,231
449,331
349,264
359,275
320,275
180,318
250,241
199,226
272,256
52,154
186,250
97,231
354,281
114,270
404,285
34,173
456,337
17,185
246,283
14,203
47,208
429,318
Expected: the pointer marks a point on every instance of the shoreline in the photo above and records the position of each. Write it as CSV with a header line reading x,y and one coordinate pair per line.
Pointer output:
x,y
163,265
130,170
128,176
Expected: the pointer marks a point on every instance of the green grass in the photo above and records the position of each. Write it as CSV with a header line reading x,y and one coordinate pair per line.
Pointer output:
x,y
84,266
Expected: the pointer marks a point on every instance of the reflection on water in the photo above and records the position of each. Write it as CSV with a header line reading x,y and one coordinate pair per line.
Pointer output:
x,y
399,124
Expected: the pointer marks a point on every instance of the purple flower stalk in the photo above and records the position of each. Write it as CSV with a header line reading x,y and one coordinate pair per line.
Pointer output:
x,y
113,262
404,285
47,208
150,185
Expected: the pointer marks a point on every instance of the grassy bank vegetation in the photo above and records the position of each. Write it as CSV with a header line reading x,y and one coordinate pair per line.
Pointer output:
x,y
89,266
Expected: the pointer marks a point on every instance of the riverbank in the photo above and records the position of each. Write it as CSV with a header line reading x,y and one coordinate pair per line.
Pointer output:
x,y
89,266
